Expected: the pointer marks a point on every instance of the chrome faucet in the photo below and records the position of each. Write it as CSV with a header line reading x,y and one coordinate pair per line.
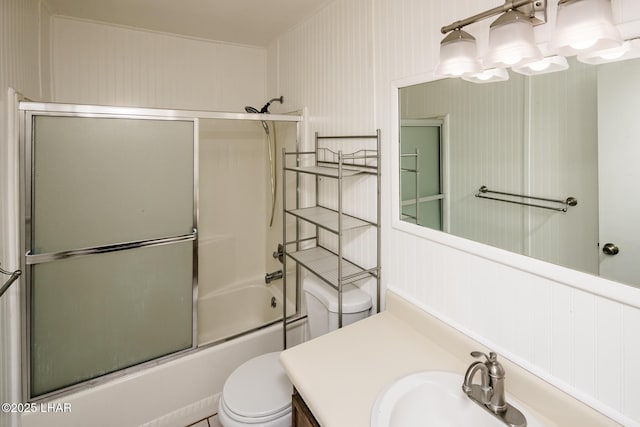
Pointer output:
x,y
273,276
490,393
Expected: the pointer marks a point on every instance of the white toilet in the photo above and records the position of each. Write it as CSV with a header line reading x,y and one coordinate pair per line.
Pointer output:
x,y
258,392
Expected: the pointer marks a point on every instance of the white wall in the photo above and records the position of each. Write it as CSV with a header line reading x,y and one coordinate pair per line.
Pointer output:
x,y
341,63
94,63
24,67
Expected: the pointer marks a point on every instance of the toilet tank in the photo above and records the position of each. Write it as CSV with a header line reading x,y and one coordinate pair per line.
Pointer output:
x,y
322,305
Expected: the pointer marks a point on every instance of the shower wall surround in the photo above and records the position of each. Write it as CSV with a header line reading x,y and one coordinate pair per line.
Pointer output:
x,y
341,64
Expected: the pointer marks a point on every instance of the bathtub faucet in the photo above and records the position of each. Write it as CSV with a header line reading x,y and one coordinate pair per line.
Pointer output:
x,y
272,276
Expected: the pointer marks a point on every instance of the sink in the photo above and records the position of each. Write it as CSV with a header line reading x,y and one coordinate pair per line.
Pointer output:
x,y
434,398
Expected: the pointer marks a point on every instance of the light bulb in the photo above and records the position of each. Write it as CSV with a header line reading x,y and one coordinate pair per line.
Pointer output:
x,y
612,55
547,65
510,60
540,65
584,44
488,76
630,49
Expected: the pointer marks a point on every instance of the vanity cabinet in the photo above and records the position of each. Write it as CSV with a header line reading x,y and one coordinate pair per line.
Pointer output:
x,y
301,416
321,227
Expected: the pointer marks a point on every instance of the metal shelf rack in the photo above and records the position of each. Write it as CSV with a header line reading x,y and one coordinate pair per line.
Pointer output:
x,y
330,265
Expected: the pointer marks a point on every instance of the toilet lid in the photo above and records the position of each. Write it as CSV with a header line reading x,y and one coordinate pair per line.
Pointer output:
x,y
354,300
258,388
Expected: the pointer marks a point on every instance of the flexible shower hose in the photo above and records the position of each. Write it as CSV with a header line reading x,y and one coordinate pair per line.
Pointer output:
x,y
272,170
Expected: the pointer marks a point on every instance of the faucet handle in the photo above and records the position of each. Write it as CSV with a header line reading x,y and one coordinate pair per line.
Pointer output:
x,y
492,357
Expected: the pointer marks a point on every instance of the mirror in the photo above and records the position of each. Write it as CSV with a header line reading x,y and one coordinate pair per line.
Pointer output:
x,y
569,134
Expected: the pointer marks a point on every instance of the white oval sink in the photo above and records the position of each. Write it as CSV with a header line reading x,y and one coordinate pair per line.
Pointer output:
x,y
434,398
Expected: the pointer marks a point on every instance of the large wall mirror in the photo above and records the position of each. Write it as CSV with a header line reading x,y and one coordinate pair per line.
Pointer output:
x,y
570,134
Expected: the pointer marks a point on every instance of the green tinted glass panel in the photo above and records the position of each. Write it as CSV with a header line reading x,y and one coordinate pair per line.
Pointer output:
x,y
99,181
429,214
97,314
427,140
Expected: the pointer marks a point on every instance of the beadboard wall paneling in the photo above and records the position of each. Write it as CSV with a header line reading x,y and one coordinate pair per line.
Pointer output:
x,y
24,49
554,330
546,325
95,63
325,64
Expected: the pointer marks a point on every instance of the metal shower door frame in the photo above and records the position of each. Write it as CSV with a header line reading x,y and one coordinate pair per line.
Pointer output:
x,y
28,111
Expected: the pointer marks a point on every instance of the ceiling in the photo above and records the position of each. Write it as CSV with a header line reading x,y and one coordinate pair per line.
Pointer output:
x,y
250,22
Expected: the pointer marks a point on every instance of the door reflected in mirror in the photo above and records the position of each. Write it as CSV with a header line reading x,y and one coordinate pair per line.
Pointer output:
x,y
422,173
554,136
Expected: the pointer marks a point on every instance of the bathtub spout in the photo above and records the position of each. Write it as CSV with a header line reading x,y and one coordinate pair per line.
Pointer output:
x,y
272,276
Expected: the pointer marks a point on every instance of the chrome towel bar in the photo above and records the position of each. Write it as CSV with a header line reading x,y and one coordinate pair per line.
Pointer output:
x,y
14,276
569,201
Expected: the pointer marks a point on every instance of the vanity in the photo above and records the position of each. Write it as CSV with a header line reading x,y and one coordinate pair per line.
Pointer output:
x,y
338,376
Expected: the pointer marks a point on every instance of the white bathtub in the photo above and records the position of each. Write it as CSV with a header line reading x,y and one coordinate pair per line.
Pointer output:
x,y
230,312
178,392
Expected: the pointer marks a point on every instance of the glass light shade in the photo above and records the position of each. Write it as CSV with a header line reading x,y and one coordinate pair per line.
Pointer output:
x,y
629,50
511,42
458,55
544,66
584,26
488,76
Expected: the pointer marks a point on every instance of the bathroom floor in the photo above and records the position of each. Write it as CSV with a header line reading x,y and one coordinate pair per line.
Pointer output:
x,y
211,421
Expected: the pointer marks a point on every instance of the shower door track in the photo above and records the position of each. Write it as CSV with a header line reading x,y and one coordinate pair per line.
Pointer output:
x,y
157,113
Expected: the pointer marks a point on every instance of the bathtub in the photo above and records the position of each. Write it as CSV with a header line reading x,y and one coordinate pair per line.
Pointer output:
x,y
182,391
230,312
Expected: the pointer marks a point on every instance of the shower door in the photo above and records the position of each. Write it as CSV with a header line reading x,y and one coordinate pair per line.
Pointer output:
x,y
110,240
422,189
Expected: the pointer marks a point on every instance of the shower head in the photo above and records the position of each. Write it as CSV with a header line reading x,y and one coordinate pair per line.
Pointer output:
x,y
250,109
264,110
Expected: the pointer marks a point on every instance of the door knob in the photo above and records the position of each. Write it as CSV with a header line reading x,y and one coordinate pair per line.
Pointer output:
x,y
610,249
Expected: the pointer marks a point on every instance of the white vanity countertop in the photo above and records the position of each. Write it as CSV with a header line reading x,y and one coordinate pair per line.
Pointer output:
x,y
339,375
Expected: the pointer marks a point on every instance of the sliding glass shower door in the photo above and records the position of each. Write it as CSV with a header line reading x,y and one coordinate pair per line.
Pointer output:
x,y
110,240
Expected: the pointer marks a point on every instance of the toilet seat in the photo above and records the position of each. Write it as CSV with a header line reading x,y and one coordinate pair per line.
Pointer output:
x,y
231,419
257,392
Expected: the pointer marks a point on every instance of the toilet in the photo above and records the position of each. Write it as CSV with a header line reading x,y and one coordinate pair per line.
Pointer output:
x,y
258,392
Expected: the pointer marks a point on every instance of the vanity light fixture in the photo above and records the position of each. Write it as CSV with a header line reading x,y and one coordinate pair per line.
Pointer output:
x,y
630,49
550,64
458,55
488,76
584,26
511,41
